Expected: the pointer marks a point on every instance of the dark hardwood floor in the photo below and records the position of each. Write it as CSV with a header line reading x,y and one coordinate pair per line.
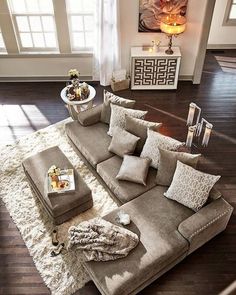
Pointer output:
x,y
26,107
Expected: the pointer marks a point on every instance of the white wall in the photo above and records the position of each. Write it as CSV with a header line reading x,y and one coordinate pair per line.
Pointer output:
x,y
221,36
188,41
51,67
58,66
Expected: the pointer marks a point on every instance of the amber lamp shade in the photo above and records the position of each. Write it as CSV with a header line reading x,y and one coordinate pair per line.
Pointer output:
x,y
172,25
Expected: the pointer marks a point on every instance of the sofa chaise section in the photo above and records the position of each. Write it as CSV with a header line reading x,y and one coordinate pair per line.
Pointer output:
x,y
155,219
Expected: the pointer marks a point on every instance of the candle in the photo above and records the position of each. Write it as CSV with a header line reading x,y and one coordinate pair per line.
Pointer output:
x,y
207,134
191,112
189,139
150,49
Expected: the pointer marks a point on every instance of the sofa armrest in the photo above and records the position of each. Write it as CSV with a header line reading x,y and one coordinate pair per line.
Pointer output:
x,y
90,116
206,223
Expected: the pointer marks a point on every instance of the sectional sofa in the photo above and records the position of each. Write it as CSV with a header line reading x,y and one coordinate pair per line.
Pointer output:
x,y
168,230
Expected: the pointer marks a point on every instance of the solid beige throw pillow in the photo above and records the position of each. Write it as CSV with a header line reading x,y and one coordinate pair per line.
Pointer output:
x,y
118,114
167,164
122,142
139,128
190,187
156,140
109,98
134,169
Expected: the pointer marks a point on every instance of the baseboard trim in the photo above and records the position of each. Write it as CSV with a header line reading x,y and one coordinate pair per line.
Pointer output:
x,y
185,78
42,79
221,46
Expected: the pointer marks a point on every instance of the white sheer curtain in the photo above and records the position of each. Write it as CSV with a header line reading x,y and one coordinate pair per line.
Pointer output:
x,y
107,40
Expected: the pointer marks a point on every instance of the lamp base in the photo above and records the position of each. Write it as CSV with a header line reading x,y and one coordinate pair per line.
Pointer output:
x,y
169,51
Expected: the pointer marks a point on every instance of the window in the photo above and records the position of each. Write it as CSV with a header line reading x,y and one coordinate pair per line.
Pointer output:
x,y
230,13
81,24
34,24
2,44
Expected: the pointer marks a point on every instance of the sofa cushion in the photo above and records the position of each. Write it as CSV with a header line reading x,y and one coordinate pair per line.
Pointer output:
x,y
167,164
134,169
124,190
190,187
139,128
112,98
123,142
118,117
92,141
155,219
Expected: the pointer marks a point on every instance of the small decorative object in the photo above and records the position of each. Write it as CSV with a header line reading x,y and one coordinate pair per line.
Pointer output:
x,y
196,129
60,180
155,45
124,218
75,89
172,25
73,73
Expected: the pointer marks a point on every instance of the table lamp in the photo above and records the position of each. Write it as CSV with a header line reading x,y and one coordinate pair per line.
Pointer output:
x,y
172,25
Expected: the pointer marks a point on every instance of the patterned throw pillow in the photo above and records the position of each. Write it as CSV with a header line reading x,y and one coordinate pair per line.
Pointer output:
x,y
118,117
190,187
123,142
112,98
139,128
156,140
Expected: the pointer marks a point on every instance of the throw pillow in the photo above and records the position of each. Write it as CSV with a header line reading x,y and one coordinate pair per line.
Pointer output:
x,y
156,140
122,142
190,187
112,98
167,164
134,169
118,117
139,128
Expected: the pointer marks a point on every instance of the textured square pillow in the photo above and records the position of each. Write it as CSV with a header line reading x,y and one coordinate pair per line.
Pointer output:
x,y
139,128
156,140
109,98
134,169
122,142
190,187
167,164
118,117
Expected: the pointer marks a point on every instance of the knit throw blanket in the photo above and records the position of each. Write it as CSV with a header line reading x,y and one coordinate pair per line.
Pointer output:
x,y
101,240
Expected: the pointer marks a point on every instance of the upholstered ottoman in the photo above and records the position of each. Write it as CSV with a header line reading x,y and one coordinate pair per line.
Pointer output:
x,y
60,207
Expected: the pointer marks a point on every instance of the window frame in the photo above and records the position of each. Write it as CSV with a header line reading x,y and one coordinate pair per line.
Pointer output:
x,y
70,14
227,21
33,49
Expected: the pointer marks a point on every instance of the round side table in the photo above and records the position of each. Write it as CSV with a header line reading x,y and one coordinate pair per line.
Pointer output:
x,y
77,106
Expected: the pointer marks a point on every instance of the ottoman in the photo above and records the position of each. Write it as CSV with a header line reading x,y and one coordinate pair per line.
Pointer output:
x,y
60,207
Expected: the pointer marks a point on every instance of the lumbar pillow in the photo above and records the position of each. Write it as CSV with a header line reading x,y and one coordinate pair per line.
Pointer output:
x,y
118,117
112,98
190,187
134,169
122,142
139,128
156,140
167,164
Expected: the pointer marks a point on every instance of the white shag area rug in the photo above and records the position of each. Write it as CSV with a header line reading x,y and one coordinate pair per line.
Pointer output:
x,y
63,274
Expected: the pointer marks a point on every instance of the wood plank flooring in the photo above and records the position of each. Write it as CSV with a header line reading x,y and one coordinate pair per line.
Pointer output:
x,y
26,107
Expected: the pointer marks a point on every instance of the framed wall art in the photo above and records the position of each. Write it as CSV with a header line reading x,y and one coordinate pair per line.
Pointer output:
x,y
151,12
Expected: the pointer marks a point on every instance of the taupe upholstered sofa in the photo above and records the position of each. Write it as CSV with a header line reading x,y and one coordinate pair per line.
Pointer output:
x,y
168,231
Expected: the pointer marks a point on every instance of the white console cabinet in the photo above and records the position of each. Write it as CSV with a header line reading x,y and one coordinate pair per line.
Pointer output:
x,y
154,70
